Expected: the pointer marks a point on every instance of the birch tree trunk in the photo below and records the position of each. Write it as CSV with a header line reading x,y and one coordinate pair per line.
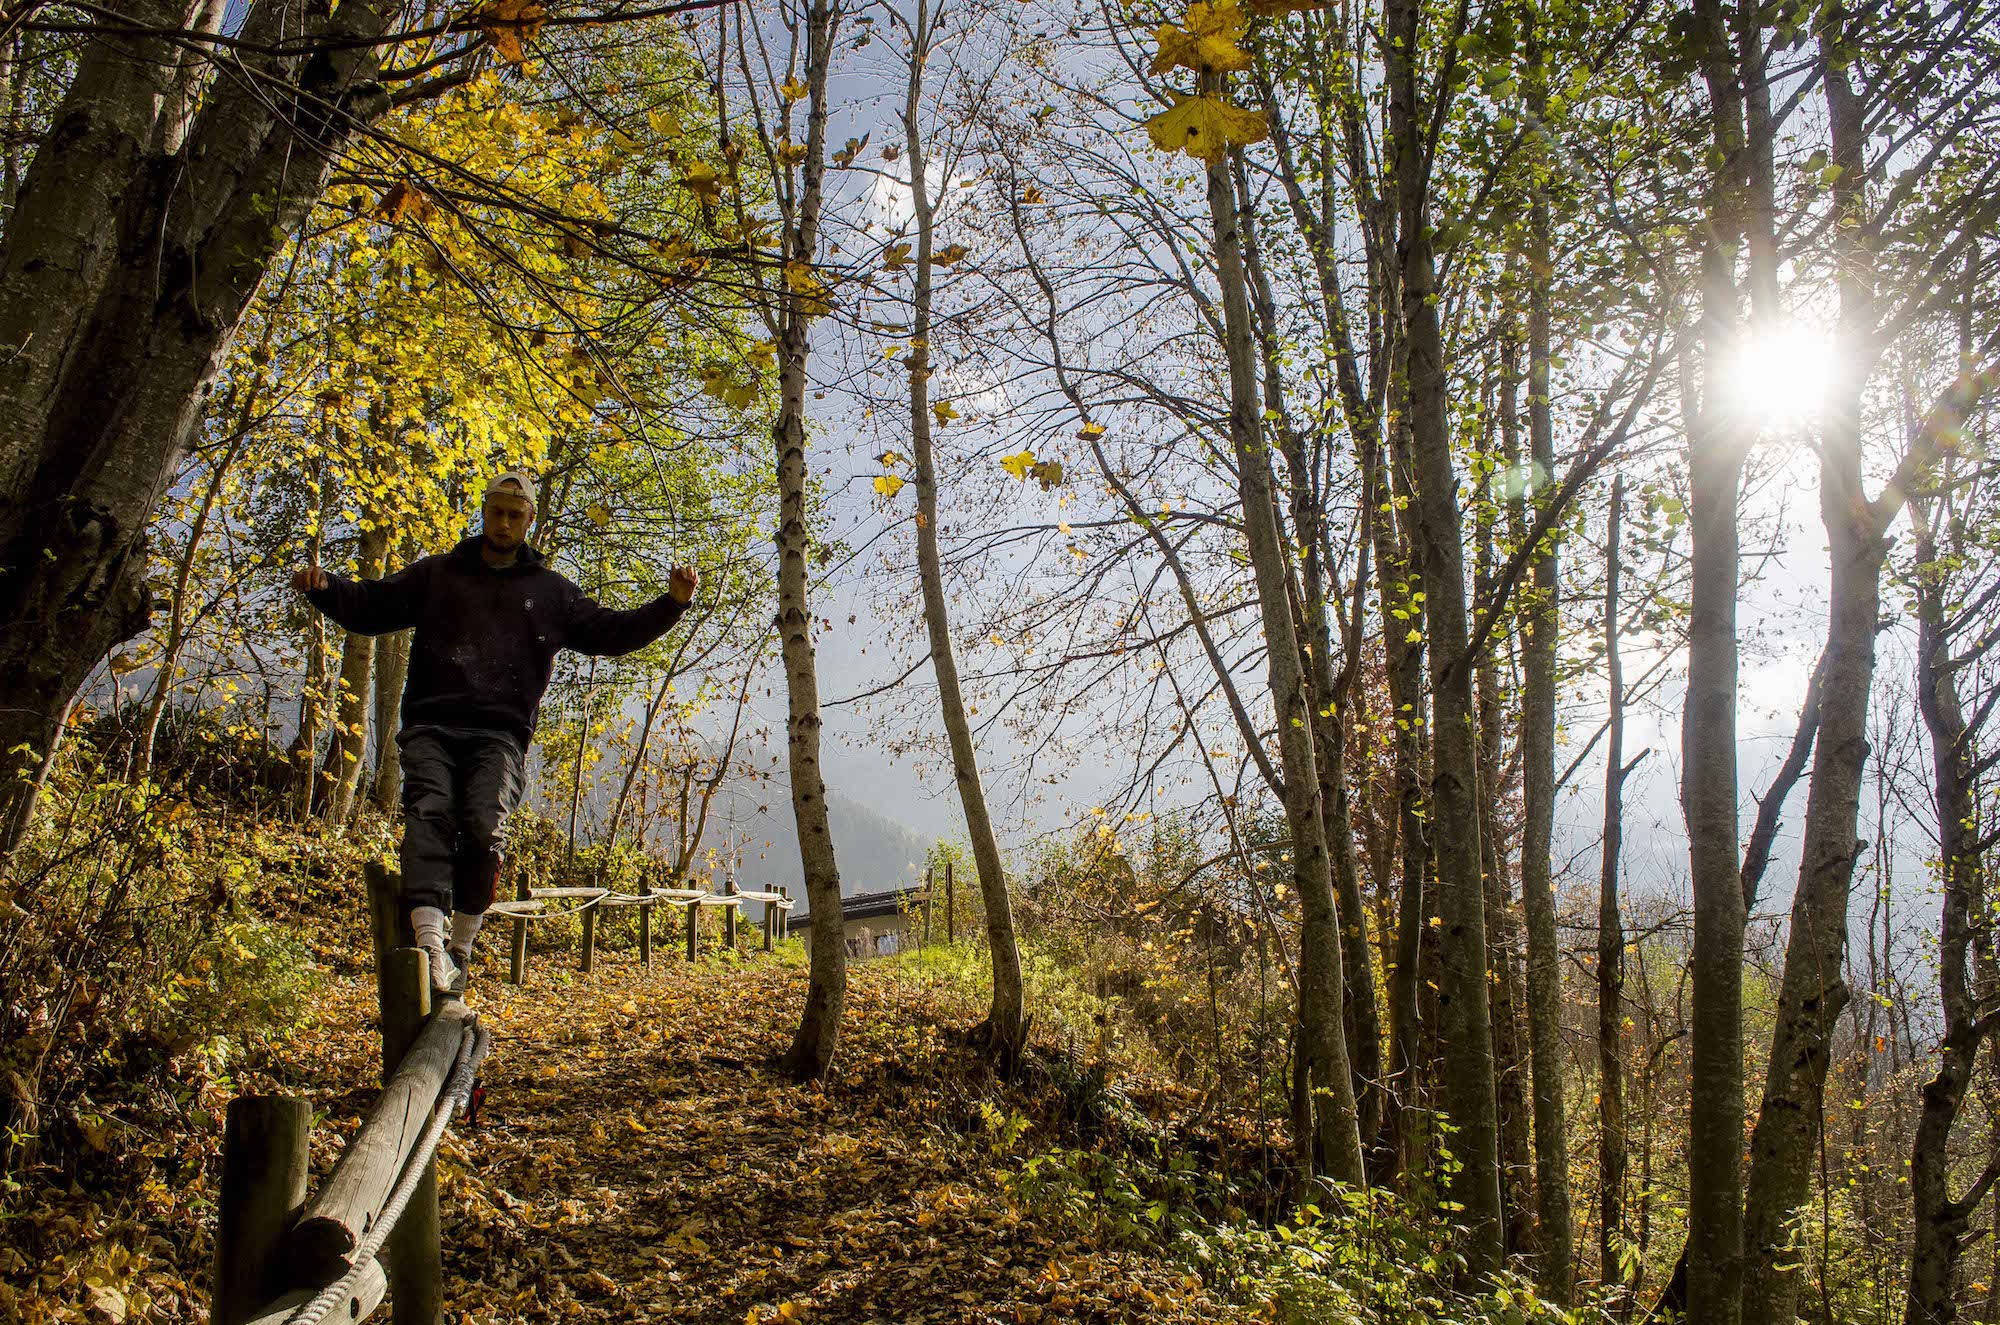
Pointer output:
x,y
813,1046
1005,1028
1320,992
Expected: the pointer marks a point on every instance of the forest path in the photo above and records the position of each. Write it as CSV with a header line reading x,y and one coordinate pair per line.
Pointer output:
x,y
638,1159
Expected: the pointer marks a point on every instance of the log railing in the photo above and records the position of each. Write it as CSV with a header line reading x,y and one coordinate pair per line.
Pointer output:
x,y
372,1231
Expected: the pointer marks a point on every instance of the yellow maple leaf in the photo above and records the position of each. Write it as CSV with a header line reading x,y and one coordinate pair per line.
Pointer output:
x,y
949,254
702,179
896,258
791,153
793,90
799,278
1209,41
888,485
944,411
403,200
1204,127
665,123
599,515
1019,465
508,24
1031,195
1090,432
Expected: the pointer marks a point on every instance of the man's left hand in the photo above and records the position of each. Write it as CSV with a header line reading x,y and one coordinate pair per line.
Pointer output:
x,y
682,584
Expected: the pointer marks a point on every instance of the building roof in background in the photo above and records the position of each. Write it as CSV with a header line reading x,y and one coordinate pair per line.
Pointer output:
x,y
863,906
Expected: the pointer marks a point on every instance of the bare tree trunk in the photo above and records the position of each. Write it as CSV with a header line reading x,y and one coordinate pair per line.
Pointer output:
x,y
1320,984
1708,737
115,310
818,1035
1331,695
1517,1174
1611,935
392,669
1554,1271
357,667
1005,1028
1940,1220
1403,666
1467,1029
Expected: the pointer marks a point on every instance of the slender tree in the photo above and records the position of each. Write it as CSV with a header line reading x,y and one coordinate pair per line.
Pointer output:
x,y
1005,1028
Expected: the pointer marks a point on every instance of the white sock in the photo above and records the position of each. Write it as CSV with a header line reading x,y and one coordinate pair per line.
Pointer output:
x,y
464,929
428,923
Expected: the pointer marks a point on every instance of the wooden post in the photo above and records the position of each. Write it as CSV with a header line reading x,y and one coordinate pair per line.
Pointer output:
x,y
589,938
694,929
729,915
517,967
413,1255
950,907
646,927
388,928
930,886
265,1143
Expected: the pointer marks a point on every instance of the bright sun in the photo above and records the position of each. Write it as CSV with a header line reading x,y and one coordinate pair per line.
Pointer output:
x,y
1780,377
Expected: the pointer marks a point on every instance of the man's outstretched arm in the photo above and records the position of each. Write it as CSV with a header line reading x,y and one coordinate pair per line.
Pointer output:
x,y
608,632
366,607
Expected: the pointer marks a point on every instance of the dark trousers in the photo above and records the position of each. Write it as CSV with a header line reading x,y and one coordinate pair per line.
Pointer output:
x,y
459,786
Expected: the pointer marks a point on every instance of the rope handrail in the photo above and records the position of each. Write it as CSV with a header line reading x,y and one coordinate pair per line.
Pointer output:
x,y
533,906
473,1048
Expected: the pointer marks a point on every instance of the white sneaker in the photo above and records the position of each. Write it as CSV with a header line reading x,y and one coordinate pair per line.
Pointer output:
x,y
444,972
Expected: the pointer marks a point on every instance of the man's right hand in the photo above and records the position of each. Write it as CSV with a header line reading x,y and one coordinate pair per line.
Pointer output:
x,y
309,578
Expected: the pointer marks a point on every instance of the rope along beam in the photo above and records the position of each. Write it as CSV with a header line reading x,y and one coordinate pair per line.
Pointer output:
x,y
535,905
473,1048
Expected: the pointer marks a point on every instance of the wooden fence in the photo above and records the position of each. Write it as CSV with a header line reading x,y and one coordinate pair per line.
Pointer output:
x,y
372,1231
589,902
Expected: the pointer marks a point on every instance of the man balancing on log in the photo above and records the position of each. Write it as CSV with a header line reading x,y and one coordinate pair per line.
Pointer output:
x,y
489,617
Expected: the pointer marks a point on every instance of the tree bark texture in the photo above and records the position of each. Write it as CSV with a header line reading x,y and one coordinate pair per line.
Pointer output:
x,y
1554,1271
1467,1031
349,746
1941,1222
1005,1026
818,1035
1611,934
1331,694
123,279
1517,1172
1320,985
1708,735
392,669
1813,992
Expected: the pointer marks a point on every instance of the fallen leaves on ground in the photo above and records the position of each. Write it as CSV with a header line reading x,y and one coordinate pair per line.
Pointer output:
x,y
639,1158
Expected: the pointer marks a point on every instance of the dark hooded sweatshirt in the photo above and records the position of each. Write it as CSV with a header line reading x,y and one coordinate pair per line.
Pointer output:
x,y
486,636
